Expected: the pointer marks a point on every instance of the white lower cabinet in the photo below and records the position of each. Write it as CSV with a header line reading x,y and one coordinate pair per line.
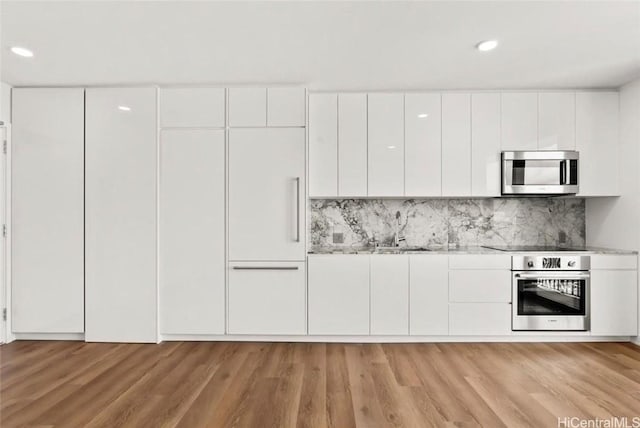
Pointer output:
x,y
614,302
479,319
429,295
267,298
338,294
390,294
480,286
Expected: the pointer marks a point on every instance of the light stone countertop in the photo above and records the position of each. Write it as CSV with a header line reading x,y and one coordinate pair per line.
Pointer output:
x,y
458,250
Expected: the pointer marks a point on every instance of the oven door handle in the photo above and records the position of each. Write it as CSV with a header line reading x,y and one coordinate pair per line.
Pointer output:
x,y
563,275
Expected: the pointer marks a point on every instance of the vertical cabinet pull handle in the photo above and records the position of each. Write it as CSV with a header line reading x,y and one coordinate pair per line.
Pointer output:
x,y
297,209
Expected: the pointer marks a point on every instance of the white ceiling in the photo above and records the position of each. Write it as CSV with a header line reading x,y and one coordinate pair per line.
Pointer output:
x,y
325,45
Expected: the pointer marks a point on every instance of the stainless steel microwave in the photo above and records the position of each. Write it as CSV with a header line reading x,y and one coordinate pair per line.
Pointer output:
x,y
540,173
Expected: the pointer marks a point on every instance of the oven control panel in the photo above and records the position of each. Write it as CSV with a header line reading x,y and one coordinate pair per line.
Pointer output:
x,y
550,262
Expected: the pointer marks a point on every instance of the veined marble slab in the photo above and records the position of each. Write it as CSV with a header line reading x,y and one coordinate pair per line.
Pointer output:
x,y
449,222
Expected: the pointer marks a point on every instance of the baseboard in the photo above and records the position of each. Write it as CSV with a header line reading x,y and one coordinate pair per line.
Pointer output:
x,y
49,336
391,339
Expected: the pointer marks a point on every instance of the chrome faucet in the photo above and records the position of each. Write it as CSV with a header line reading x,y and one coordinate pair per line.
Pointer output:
x,y
398,236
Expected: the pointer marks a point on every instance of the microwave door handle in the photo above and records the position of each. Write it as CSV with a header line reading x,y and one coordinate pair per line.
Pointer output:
x,y
563,172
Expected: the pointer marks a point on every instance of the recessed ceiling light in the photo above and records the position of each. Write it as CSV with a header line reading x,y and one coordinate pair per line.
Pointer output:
x,y
391,147
487,45
124,108
22,51
423,115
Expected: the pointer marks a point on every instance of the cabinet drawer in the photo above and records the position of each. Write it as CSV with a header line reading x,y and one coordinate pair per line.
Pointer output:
x,y
471,319
267,298
612,261
479,286
480,261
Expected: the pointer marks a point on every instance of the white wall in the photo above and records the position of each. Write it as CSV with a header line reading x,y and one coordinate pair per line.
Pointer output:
x,y
5,102
615,222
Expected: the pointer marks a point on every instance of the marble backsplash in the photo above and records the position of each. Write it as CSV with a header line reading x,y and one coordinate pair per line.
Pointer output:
x,y
452,222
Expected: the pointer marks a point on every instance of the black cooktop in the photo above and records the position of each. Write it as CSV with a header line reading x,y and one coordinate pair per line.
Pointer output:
x,y
533,248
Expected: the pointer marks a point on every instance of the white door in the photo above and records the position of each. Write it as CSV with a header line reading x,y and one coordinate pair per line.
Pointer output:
x,y
339,295
519,121
429,295
192,232
386,144
389,294
456,144
323,145
267,194
423,145
121,170
267,298
556,121
4,307
614,302
352,145
485,144
48,209
597,140
247,107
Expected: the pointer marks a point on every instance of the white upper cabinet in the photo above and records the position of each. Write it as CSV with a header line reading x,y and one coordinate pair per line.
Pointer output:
x,y
597,140
247,107
519,121
286,107
386,145
556,121
389,294
352,145
485,144
456,144
423,149
192,107
48,210
267,197
120,216
192,231
323,145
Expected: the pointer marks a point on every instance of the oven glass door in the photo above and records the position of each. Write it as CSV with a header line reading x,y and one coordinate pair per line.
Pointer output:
x,y
551,294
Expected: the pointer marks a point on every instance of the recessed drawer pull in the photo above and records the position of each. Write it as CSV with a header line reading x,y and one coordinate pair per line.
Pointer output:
x,y
265,267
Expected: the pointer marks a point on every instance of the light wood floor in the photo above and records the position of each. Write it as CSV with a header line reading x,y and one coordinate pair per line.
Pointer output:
x,y
186,384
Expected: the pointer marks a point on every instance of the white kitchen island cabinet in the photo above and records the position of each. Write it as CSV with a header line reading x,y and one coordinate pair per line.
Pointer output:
x,y
267,196
267,298
338,294
192,231
47,210
121,232
614,295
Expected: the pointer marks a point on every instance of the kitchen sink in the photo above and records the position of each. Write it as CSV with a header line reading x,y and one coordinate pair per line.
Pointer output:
x,y
396,250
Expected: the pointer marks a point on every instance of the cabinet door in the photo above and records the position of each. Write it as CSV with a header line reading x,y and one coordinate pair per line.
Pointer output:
x,y
192,232
597,140
121,169
423,148
267,194
192,107
519,121
556,121
48,209
614,302
386,145
429,295
339,294
267,298
323,145
480,286
456,144
485,145
247,107
479,319
390,294
286,106
352,145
